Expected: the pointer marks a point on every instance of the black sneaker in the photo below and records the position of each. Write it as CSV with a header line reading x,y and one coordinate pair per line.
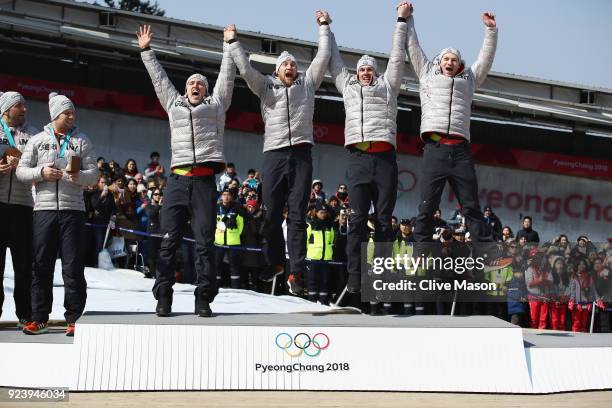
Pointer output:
x,y
202,307
408,309
387,309
164,302
375,309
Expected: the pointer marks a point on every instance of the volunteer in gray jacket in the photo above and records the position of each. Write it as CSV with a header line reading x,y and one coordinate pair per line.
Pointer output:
x,y
197,122
15,203
59,211
370,104
446,89
287,107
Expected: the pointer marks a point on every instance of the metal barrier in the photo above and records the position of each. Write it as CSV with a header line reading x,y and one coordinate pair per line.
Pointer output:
x,y
231,247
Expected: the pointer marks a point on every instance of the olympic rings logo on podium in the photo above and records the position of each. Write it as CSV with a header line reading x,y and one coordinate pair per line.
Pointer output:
x,y
302,343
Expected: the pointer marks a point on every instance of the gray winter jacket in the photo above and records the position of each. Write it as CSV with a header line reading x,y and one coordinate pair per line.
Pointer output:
x,y
371,111
446,103
44,149
286,111
12,191
196,132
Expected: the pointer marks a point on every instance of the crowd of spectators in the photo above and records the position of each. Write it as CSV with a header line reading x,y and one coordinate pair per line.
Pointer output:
x,y
550,285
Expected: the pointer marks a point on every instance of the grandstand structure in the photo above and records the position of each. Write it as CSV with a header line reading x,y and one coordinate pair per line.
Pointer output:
x,y
90,52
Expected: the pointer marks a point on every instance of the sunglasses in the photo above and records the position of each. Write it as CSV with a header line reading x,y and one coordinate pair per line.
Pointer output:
x,y
158,194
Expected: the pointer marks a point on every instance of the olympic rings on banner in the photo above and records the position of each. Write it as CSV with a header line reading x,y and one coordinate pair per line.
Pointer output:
x,y
326,340
302,343
286,346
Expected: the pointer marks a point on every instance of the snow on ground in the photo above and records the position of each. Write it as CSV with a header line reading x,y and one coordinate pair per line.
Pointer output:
x,y
125,290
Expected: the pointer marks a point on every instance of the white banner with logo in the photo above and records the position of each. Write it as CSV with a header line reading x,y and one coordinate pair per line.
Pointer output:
x,y
212,357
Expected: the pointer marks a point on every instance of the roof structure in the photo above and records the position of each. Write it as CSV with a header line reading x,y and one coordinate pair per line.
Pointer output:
x,y
88,29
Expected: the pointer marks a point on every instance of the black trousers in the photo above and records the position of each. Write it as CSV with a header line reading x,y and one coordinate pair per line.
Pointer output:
x,y
372,178
184,196
16,234
287,178
442,163
318,278
233,256
63,231
153,245
188,252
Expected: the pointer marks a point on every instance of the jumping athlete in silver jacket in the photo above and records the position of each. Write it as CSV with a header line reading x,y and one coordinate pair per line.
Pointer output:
x,y
287,108
197,122
446,89
370,104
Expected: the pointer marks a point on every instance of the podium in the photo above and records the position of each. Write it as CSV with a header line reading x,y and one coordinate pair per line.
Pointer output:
x,y
305,351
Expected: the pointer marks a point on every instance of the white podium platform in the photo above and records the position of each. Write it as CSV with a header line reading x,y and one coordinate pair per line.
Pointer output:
x,y
335,352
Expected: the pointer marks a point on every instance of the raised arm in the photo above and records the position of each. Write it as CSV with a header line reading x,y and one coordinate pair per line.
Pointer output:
x,y
483,63
227,73
255,80
417,56
165,90
338,70
397,57
316,71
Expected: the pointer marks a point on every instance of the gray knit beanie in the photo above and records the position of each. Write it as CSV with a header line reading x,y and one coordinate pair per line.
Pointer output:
x,y
9,99
449,50
369,61
197,76
58,104
282,58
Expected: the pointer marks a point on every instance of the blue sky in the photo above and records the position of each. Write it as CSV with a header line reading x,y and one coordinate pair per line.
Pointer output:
x,y
558,40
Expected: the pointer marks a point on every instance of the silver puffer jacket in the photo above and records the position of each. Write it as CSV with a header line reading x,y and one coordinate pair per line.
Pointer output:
x,y
44,149
12,191
196,132
446,102
286,111
371,110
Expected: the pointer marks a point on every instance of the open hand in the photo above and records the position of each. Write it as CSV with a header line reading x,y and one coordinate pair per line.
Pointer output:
x,y
144,35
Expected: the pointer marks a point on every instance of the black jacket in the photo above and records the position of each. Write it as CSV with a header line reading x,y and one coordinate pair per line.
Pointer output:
x,y
530,234
496,226
103,207
153,218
